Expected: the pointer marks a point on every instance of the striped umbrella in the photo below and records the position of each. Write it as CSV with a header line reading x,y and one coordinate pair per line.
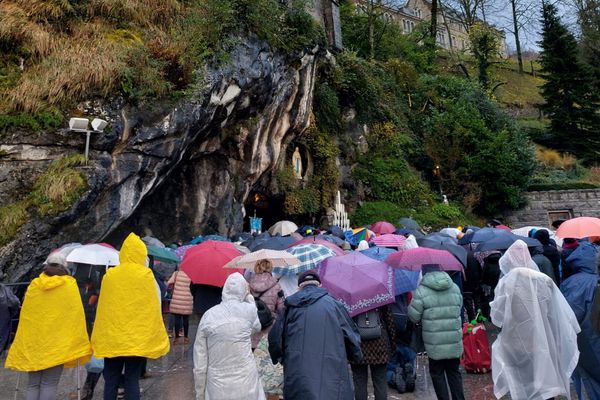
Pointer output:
x,y
389,240
310,256
414,259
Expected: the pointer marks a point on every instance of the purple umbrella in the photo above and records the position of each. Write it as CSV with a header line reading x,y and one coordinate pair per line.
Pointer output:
x,y
360,283
181,250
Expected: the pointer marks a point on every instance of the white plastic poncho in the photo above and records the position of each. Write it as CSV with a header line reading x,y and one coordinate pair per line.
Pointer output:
x,y
517,256
536,351
224,367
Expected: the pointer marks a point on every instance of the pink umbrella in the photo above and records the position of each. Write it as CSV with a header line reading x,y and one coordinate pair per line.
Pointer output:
x,y
579,228
414,259
204,262
328,244
389,240
503,227
383,227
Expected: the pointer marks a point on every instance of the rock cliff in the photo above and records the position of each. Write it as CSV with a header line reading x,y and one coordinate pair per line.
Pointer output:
x,y
176,168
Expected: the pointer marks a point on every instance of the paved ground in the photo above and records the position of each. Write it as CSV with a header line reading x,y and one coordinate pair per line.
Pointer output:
x,y
172,380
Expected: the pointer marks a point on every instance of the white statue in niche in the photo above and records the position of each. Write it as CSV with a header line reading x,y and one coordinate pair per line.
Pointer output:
x,y
297,163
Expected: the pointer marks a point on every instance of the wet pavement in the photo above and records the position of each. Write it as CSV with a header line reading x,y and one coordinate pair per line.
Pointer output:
x,y
172,379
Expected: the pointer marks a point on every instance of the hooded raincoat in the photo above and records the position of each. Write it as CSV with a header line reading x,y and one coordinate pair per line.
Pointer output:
x,y
579,291
129,320
224,367
51,329
536,351
314,339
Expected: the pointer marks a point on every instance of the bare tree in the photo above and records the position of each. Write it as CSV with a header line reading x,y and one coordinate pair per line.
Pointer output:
x,y
374,10
523,20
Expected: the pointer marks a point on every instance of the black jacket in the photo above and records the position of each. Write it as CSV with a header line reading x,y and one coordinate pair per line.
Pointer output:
x,y
9,309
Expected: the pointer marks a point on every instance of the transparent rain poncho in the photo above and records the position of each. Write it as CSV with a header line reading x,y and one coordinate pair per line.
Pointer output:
x,y
536,351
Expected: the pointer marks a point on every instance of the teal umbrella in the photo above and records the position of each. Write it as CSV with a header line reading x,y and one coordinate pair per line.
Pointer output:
x,y
163,254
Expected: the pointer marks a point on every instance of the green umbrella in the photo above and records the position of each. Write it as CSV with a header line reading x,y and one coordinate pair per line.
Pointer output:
x,y
162,254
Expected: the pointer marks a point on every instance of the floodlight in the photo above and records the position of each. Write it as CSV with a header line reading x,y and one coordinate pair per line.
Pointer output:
x,y
99,124
78,124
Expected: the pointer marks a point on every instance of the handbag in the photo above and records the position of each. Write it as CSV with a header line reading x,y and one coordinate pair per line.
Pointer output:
x,y
95,365
369,325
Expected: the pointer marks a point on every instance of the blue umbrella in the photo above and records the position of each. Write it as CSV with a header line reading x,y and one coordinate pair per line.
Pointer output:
x,y
406,232
272,243
405,281
409,223
336,231
217,238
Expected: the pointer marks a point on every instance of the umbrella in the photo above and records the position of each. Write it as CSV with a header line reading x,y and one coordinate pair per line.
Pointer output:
x,y
452,232
307,230
503,227
336,231
405,281
505,240
197,240
578,228
149,240
331,238
409,223
241,249
204,263
94,254
279,258
414,259
457,251
217,238
283,228
360,283
354,236
272,243
65,249
181,250
162,254
524,231
440,237
389,240
316,240
383,227
481,235
405,232
310,255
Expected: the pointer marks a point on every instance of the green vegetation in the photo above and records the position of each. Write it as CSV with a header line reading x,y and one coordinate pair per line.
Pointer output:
x,y
34,121
12,217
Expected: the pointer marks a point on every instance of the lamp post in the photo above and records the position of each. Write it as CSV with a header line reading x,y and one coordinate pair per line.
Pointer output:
x,y
81,125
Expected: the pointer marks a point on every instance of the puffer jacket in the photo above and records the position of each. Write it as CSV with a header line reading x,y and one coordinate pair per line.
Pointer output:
x,y
272,296
437,302
182,302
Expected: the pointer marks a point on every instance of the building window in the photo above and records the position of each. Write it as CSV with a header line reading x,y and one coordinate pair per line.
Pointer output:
x,y
463,44
453,41
418,13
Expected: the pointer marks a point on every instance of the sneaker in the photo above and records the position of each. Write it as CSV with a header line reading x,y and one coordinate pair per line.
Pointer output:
x,y
399,380
409,377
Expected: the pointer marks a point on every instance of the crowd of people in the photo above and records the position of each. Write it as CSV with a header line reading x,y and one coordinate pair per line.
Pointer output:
x,y
259,338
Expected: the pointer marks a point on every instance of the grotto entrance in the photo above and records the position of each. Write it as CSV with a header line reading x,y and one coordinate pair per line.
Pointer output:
x,y
267,207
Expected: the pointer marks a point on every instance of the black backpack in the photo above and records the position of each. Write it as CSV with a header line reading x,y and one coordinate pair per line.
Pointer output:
x,y
264,313
369,325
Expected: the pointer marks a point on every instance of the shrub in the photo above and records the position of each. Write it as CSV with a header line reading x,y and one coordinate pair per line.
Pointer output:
x,y
541,187
373,211
36,122
12,217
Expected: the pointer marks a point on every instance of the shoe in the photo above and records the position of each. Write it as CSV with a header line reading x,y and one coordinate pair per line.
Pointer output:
x,y
147,375
409,377
186,340
120,393
399,380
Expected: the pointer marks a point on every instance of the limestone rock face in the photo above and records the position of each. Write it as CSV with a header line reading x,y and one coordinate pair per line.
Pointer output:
x,y
175,169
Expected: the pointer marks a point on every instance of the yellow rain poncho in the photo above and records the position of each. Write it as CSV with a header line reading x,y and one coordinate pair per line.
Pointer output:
x,y
51,328
129,320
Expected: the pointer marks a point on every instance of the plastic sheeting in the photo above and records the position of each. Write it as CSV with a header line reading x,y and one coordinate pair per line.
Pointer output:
x,y
536,351
224,367
517,256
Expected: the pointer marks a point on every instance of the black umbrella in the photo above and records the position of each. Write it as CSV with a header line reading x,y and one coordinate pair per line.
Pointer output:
x,y
409,223
273,243
405,232
505,240
459,252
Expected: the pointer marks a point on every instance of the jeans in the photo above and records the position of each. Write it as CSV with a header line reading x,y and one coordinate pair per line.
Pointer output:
x,y
42,384
91,380
178,321
440,370
360,375
112,373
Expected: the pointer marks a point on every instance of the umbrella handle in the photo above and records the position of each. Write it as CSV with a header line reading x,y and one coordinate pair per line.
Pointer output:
x,y
78,382
17,387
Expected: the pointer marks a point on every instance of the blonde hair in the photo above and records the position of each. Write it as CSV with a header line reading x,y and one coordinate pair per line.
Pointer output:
x,y
262,266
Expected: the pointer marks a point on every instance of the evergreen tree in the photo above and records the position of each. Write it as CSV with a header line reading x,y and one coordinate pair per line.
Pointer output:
x,y
569,93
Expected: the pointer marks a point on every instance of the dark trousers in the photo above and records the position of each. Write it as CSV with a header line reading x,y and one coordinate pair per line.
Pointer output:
x,y
440,370
179,319
91,380
112,374
360,375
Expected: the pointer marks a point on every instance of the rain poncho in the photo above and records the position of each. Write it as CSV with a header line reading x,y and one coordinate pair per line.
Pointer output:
x,y
129,320
52,328
224,367
536,351
517,256
579,291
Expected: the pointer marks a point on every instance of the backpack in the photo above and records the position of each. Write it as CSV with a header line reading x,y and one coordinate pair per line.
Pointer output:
x,y
264,313
369,325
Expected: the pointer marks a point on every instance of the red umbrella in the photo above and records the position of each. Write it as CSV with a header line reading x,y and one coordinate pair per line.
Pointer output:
x,y
579,228
383,227
326,243
503,227
204,263
414,259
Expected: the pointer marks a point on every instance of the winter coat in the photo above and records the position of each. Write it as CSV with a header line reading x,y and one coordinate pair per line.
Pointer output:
x,y
380,350
224,367
182,302
550,251
544,264
269,290
51,327
472,278
205,297
314,339
129,318
491,270
9,309
579,290
437,302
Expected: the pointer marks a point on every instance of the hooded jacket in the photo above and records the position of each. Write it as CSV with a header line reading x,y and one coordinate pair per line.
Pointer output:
x,y
579,290
224,367
129,319
51,328
314,339
437,302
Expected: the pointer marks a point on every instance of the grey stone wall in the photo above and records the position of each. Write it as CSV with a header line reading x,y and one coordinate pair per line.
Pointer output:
x,y
542,207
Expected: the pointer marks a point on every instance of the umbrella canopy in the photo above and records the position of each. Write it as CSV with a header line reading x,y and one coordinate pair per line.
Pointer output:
x,y
405,232
272,243
383,227
65,249
481,235
241,249
524,231
310,256
279,258
503,227
354,236
149,240
457,251
505,240
204,263
307,230
404,281
316,240
452,232
414,259
360,283
409,223
578,228
283,228
331,238
94,254
336,231
389,240
163,254
217,238
181,250
441,237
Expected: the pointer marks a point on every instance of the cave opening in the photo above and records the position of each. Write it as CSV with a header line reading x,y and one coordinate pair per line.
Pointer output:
x,y
265,206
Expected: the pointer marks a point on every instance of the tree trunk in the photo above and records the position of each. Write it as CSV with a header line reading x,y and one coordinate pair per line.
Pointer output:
x,y
372,18
516,31
433,24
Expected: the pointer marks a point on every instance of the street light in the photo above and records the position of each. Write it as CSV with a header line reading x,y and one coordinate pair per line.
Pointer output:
x,y
81,125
